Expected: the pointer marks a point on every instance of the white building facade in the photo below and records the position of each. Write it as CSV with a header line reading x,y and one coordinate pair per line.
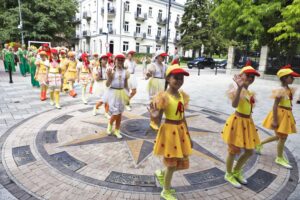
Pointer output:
x,y
118,25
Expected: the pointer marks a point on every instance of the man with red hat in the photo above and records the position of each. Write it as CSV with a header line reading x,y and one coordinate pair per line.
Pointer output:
x,y
130,65
54,79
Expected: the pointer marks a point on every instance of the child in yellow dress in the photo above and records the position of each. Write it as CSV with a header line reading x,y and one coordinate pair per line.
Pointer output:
x,y
173,141
41,73
239,131
281,118
71,73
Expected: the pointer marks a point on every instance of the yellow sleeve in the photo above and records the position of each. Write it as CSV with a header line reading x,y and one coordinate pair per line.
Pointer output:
x,y
230,93
278,93
161,100
186,99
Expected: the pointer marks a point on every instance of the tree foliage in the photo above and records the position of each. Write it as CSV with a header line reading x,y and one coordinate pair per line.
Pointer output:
x,y
198,28
48,20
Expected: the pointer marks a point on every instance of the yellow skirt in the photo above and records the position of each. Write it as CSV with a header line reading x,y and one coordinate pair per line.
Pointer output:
x,y
155,85
240,132
172,141
286,121
71,76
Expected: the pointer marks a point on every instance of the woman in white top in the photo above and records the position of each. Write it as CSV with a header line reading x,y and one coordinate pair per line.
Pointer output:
x,y
116,96
156,72
130,65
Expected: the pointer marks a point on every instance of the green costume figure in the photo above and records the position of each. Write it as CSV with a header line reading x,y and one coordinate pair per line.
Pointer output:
x,y
22,63
4,51
32,67
27,66
10,59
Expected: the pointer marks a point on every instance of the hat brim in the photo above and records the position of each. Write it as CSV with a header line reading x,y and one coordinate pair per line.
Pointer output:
x,y
120,57
163,54
251,71
131,52
179,71
295,74
103,57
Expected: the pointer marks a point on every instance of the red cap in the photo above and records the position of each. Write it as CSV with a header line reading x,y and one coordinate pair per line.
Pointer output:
x,y
62,52
103,56
288,66
120,55
248,63
175,61
45,45
54,51
131,52
95,54
249,70
109,54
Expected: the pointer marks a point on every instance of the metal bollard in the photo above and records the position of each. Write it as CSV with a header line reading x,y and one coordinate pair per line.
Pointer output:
x,y
216,70
198,71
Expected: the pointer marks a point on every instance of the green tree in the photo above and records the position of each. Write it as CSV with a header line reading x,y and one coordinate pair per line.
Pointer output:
x,y
42,19
198,28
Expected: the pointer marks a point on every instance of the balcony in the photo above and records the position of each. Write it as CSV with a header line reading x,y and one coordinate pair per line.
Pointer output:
x,y
86,34
111,31
86,15
139,36
100,30
177,24
76,19
176,40
161,21
159,39
111,12
140,16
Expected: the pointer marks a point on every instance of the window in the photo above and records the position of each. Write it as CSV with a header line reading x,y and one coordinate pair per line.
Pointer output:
x,y
159,31
137,47
177,35
125,46
177,18
126,26
109,25
138,28
138,10
149,30
170,16
158,47
95,47
160,14
127,6
150,12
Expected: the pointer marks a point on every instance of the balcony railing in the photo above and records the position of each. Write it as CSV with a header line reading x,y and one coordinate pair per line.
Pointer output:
x,y
140,16
139,35
111,31
176,40
161,21
76,19
111,12
86,34
86,15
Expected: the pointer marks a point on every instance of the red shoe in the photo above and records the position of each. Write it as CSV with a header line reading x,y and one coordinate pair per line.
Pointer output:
x,y
43,96
91,89
72,93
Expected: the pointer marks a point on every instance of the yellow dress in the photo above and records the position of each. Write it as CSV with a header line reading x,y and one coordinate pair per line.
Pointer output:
x,y
71,73
239,129
42,71
286,120
173,139
63,66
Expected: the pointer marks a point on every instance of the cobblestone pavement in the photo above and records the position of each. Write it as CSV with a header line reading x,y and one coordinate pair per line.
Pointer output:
x,y
66,155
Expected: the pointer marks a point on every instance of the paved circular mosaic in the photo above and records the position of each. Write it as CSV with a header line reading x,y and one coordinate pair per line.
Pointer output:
x,y
66,154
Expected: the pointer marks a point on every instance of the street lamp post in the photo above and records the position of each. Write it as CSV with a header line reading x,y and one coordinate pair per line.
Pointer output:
x,y
20,26
168,25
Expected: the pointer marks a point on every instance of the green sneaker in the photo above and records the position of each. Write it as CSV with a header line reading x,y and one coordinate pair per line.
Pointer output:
x,y
238,175
259,148
281,161
109,129
118,134
160,176
168,195
230,178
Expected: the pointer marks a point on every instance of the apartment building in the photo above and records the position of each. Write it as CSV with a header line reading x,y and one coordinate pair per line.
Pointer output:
x,y
118,25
